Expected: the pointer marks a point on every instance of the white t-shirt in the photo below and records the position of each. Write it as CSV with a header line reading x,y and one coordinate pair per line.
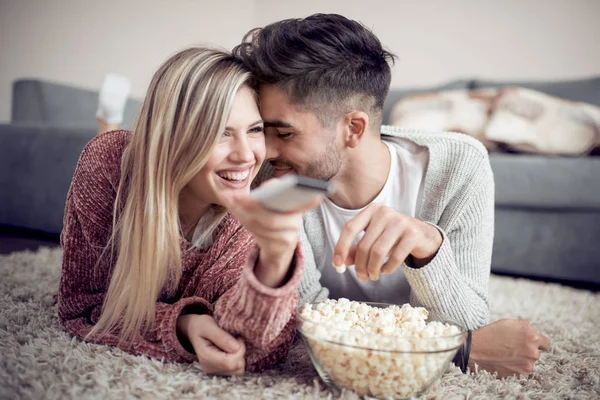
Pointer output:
x,y
402,192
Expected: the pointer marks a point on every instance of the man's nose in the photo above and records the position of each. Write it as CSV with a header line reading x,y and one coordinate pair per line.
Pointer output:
x,y
272,149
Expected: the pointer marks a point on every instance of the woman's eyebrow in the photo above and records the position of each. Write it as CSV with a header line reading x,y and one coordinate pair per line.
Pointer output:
x,y
260,121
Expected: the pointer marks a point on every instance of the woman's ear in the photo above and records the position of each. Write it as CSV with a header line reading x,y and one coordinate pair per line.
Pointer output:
x,y
356,123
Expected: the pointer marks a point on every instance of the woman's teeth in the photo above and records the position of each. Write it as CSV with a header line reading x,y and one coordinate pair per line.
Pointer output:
x,y
235,176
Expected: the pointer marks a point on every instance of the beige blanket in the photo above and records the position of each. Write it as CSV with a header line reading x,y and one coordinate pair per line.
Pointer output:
x,y
516,119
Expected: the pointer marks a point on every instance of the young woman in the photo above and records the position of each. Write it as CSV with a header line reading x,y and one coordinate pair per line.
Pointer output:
x,y
153,262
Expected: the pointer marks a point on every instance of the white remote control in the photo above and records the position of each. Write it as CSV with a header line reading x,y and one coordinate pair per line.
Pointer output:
x,y
290,193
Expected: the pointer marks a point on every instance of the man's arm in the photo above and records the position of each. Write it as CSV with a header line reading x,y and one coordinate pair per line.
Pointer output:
x,y
454,283
450,276
310,289
507,347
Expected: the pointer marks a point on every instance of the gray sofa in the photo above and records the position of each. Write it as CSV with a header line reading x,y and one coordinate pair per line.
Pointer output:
x,y
50,125
547,208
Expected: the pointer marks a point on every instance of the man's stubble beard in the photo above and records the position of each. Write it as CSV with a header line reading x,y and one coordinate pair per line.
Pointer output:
x,y
328,163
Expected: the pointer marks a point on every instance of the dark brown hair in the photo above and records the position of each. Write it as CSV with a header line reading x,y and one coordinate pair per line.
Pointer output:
x,y
325,63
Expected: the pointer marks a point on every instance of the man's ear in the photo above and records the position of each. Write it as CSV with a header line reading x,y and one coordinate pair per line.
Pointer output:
x,y
356,124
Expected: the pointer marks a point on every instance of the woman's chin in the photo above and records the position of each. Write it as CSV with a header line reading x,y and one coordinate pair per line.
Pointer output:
x,y
226,195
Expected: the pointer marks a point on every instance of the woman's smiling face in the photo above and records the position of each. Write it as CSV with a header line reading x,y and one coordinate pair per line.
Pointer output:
x,y
236,159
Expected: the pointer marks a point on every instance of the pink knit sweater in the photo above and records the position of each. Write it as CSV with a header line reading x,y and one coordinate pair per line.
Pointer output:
x,y
219,281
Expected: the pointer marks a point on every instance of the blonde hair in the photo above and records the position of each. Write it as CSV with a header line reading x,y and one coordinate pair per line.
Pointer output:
x,y
182,118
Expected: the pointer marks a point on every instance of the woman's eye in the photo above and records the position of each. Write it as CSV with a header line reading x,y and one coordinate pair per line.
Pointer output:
x,y
256,129
226,134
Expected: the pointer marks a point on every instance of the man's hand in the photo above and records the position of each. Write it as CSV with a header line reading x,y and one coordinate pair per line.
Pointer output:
x,y
218,352
388,233
508,347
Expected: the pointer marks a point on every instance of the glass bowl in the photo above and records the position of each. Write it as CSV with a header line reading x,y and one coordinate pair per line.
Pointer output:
x,y
394,368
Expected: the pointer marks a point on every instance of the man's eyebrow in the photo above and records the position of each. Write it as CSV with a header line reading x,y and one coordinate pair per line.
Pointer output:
x,y
277,124
260,121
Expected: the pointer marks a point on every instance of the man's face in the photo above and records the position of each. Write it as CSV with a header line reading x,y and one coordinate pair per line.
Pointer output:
x,y
296,141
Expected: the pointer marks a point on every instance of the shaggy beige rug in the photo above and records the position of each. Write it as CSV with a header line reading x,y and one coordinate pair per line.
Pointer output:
x,y
39,360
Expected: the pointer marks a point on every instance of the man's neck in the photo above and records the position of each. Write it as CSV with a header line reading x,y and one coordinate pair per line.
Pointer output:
x,y
363,175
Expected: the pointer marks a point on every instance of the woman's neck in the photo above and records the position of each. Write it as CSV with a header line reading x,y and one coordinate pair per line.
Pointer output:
x,y
190,212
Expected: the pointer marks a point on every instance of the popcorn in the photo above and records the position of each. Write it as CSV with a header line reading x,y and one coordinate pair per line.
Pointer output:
x,y
340,269
381,352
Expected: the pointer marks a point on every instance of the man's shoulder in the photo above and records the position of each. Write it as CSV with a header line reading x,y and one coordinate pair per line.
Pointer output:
x,y
457,162
454,146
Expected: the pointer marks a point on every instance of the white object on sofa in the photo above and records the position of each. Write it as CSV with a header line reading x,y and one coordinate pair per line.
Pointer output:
x,y
532,121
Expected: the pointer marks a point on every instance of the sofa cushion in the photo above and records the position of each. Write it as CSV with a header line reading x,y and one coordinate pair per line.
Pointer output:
x,y
546,182
584,90
36,101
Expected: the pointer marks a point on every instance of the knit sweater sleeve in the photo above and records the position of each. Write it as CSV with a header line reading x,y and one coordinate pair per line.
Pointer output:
x,y
310,289
263,316
454,285
85,269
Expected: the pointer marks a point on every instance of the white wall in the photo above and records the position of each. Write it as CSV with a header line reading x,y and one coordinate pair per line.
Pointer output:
x,y
438,40
78,41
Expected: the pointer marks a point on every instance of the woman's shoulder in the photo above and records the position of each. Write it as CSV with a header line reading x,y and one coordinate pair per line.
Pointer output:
x,y
231,229
101,157
230,226
107,146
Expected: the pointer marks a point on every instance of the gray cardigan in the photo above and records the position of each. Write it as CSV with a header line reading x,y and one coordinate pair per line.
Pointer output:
x,y
458,197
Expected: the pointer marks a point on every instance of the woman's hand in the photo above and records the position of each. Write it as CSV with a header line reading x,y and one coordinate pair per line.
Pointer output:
x,y
218,352
276,234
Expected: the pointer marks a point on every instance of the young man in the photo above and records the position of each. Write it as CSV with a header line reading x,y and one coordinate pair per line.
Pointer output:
x,y
415,207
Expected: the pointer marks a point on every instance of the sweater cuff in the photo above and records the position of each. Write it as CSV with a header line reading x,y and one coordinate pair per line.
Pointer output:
x,y
443,256
188,305
430,283
257,311
250,279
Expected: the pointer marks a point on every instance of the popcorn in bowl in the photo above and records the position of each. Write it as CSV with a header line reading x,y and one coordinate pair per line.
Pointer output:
x,y
378,350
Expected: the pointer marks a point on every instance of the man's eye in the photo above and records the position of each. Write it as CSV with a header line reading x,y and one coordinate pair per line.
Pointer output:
x,y
281,135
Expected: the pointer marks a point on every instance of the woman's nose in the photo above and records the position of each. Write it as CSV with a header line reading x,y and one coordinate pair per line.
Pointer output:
x,y
242,150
